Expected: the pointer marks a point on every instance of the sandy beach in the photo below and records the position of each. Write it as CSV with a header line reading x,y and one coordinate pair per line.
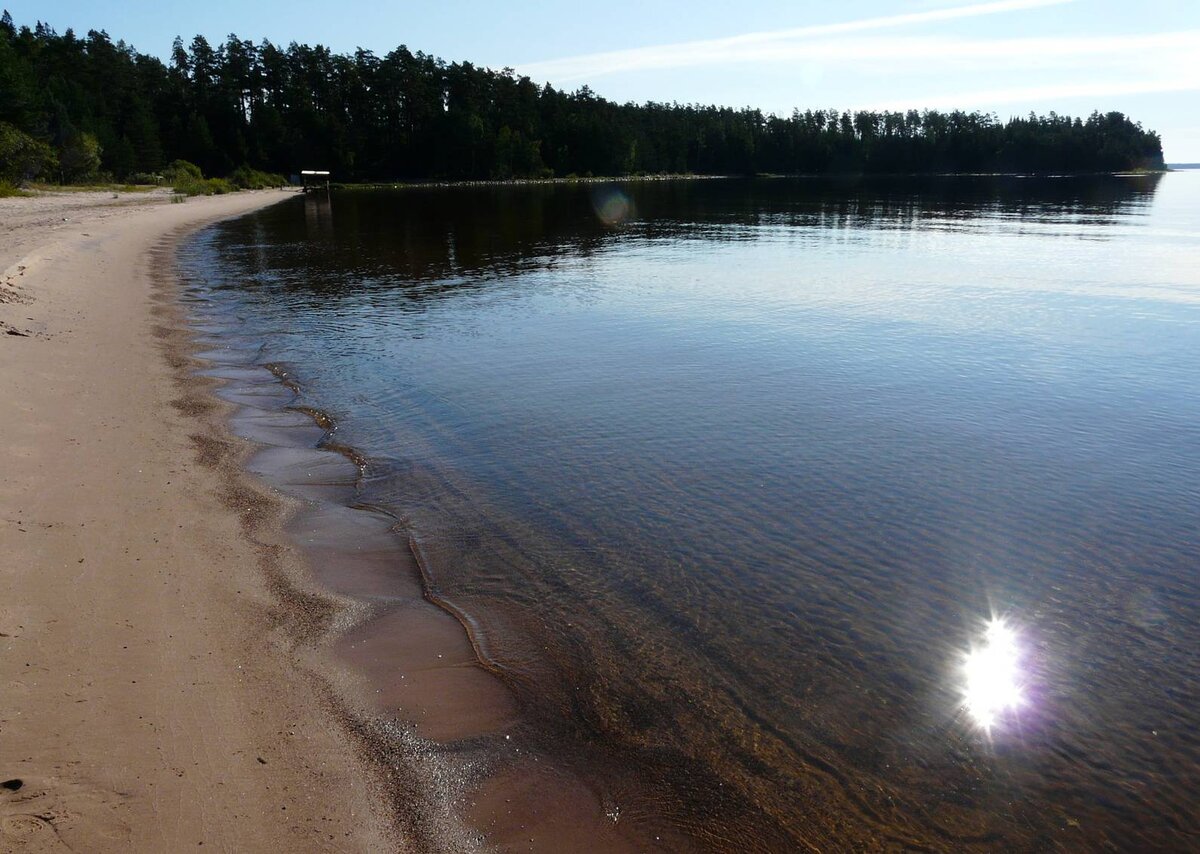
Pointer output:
x,y
155,697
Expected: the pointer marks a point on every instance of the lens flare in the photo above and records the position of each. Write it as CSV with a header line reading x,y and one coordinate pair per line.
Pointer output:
x,y
992,674
612,206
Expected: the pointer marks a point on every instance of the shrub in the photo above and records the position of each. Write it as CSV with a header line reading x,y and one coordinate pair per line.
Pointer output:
x,y
187,180
252,179
22,157
143,178
204,187
7,190
80,157
179,170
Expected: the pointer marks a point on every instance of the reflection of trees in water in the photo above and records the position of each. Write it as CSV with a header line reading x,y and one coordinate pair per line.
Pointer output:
x,y
422,244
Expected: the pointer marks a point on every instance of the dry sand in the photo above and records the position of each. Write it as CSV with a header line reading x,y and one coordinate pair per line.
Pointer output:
x,y
153,694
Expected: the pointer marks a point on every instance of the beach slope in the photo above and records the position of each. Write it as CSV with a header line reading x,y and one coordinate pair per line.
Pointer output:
x,y
150,700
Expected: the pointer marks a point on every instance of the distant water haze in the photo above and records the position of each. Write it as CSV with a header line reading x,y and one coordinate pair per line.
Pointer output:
x,y
791,512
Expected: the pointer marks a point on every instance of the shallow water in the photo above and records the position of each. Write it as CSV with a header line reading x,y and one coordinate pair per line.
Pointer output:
x,y
727,478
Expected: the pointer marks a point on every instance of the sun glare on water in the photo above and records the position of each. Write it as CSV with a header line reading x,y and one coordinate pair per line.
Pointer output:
x,y
992,674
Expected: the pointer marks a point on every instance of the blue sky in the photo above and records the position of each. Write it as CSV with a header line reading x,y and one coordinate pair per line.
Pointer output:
x,y
1004,56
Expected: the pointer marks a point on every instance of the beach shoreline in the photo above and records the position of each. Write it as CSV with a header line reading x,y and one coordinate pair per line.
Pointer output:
x,y
151,634
407,674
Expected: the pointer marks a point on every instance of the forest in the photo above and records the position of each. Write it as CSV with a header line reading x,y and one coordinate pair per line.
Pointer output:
x,y
74,109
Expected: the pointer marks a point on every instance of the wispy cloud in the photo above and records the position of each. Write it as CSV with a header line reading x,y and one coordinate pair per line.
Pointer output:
x,y
896,53
776,44
1041,94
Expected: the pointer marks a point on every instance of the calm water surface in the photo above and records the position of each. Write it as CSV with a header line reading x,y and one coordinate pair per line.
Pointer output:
x,y
732,476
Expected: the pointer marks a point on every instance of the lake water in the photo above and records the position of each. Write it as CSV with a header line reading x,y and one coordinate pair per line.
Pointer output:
x,y
728,479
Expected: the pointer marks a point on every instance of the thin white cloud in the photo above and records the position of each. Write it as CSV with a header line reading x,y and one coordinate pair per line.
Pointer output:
x,y
1150,50
743,47
984,98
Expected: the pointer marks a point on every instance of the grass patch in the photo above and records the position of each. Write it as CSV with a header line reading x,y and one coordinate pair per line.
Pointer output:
x,y
8,191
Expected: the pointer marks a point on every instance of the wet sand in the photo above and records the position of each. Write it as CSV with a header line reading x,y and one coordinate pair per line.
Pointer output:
x,y
465,771
161,690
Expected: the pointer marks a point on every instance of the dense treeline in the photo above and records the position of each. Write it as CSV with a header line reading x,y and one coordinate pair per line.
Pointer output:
x,y
72,106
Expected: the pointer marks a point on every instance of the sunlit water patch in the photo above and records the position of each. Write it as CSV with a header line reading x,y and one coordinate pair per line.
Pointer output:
x,y
993,679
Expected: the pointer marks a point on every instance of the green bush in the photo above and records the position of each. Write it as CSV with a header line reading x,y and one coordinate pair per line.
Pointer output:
x,y
252,179
22,157
181,170
143,178
79,158
204,187
187,180
7,190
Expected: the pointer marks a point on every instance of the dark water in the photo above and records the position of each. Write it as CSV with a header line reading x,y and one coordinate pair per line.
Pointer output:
x,y
731,475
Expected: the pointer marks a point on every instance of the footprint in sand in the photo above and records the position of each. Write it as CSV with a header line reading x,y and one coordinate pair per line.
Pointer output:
x,y
28,833
50,816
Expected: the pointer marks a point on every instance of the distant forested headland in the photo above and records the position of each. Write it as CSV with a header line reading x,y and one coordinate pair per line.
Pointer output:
x,y
72,108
